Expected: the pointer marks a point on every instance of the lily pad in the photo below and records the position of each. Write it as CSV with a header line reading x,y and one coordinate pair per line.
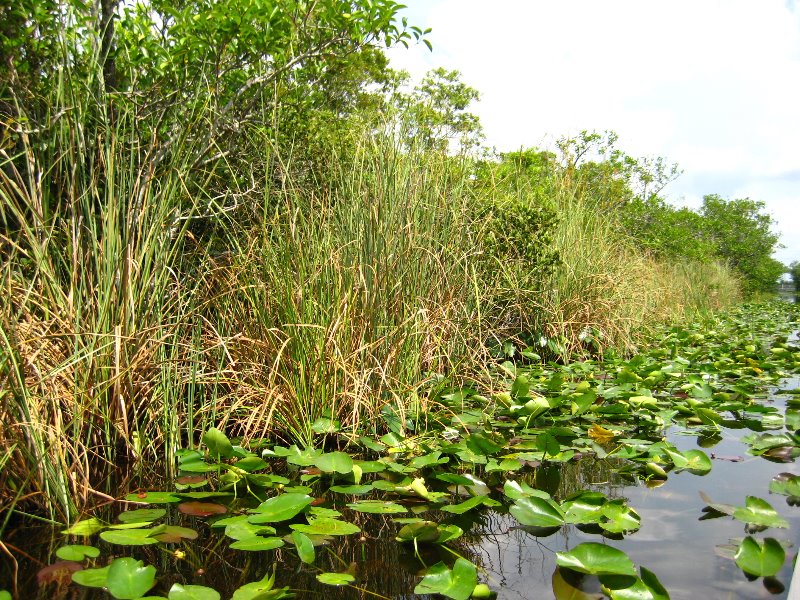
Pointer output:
x,y
128,579
596,559
537,512
457,584
257,543
77,552
129,537
759,512
334,462
336,578
760,559
153,497
141,515
304,546
326,526
280,508
202,509
192,592
377,507
219,446
86,527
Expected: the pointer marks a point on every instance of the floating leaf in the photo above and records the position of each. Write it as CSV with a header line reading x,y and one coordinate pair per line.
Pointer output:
x,y
327,526
354,490
257,544
202,509
759,512
334,462
760,559
141,515
242,529
377,507
129,537
537,512
76,552
172,534
457,584
280,508
600,434
86,527
261,590
787,484
192,592
128,579
420,531
596,559
335,578
153,497
305,547
467,505
95,578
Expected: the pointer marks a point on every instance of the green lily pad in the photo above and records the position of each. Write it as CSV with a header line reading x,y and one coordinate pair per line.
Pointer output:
x,y
786,484
192,592
153,497
173,534
621,587
596,559
257,543
304,546
77,552
760,559
334,462
128,579
470,504
326,526
759,512
457,584
537,512
242,529
377,507
129,537
354,490
94,578
336,578
219,446
420,531
261,590
86,527
280,508
141,515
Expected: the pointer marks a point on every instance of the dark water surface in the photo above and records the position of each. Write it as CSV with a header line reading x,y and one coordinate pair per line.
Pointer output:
x,y
673,542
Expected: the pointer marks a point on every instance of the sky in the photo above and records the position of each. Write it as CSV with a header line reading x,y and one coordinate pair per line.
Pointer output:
x,y
713,85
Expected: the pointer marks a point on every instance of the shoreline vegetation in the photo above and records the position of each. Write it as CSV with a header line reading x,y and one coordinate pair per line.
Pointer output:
x,y
257,226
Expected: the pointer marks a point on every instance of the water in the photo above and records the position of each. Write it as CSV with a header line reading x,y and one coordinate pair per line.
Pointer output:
x,y
673,541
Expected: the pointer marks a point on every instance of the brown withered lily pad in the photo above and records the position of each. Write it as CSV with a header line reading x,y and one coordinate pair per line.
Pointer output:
x,y
59,572
201,509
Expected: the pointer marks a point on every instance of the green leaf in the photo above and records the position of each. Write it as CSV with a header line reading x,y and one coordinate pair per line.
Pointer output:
x,y
219,446
354,490
141,515
129,579
258,544
4,595
280,508
377,507
584,508
305,547
335,578
457,584
421,531
192,592
596,559
516,490
759,512
153,498
537,512
242,529
335,462
260,590
129,537
86,527
760,559
620,518
786,484
77,552
471,503
95,578
326,526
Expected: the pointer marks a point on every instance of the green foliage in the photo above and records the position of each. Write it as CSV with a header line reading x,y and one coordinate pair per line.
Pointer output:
x,y
794,271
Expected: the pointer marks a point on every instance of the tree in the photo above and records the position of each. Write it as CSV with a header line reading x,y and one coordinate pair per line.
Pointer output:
x,y
794,271
741,234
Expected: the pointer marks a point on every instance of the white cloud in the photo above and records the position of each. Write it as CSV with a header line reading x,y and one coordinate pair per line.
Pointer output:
x,y
711,84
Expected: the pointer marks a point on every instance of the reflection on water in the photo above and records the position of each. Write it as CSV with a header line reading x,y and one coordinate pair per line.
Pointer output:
x,y
673,542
